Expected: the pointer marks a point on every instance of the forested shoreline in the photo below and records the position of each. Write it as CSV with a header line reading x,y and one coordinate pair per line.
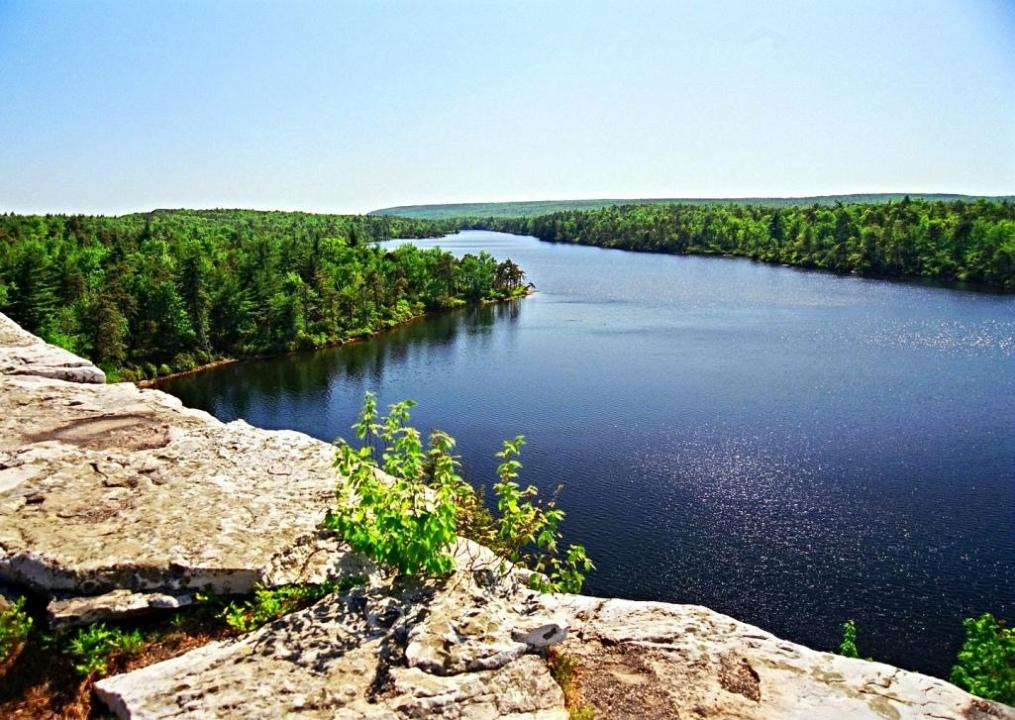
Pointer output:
x,y
149,294
971,242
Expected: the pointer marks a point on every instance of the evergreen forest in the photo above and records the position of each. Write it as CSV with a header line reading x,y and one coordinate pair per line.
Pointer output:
x,y
972,242
149,294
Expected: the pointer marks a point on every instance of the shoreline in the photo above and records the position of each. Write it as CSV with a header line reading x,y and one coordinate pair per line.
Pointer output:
x,y
153,383
920,280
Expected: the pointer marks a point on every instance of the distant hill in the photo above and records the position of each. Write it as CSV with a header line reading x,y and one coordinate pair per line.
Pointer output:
x,y
543,207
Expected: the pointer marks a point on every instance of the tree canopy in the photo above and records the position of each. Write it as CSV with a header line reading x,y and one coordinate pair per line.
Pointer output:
x,y
951,241
148,294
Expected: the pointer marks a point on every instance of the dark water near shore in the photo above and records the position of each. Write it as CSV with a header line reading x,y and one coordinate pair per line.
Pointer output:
x,y
792,448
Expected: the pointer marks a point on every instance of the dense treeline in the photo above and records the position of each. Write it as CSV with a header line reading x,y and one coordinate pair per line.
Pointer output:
x,y
964,241
153,293
534,208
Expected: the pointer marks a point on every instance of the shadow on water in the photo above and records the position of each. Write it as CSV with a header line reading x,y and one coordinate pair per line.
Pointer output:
x,y
233,391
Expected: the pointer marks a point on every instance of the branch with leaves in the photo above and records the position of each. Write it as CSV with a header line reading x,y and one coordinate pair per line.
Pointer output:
x,y
409,516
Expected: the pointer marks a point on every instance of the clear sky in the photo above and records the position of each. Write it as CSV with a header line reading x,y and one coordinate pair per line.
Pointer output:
x,y
119,106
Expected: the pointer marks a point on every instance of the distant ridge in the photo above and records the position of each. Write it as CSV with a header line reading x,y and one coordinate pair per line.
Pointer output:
x,y
543,207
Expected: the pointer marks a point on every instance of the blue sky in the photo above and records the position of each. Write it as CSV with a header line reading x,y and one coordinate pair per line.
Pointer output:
x,y
119,106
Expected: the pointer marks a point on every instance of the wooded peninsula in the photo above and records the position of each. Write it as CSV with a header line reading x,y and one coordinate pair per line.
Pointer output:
x,y
149,294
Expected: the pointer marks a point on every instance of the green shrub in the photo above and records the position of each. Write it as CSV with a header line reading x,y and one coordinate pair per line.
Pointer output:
x,y
986,662
847,648
528,531
183,362
115,375
410,520
15,625
407,523
92,647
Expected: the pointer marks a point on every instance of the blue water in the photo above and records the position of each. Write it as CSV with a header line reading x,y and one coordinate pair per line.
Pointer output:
x,y
791,448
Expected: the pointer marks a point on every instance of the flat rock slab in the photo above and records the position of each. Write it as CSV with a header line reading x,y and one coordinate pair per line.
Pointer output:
x,y
657,660
75,611
109,487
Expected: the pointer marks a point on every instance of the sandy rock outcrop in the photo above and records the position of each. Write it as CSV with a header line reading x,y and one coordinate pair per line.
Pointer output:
x,y
665,661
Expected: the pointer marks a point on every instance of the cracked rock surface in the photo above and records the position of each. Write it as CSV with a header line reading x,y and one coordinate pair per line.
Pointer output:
x,y
449,649
115,500
439,649
112,488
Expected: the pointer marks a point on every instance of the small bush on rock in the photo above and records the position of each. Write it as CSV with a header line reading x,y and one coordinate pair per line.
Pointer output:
x,y
986,662
409,517
847,648
94,646
528,531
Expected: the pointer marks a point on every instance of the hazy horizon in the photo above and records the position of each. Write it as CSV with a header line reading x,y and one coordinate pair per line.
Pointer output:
x,y
146,209
111,107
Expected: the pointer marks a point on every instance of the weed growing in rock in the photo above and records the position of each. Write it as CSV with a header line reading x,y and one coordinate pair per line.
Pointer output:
x,y
94,646
15,625
269,604
847,648
410,517
408,521
528,531
986,662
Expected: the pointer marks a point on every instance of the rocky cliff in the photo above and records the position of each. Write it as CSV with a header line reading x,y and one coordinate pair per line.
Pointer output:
x,y
116,500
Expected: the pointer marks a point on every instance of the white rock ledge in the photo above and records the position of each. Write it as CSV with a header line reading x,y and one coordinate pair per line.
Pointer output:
x,y
22,353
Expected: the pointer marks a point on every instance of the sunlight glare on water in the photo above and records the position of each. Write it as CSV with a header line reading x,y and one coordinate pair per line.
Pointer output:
x,y
791,448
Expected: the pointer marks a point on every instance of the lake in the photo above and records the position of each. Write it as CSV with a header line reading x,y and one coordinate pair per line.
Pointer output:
x,y
792,448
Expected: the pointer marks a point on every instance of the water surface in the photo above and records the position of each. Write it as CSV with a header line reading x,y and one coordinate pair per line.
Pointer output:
x,y
792,448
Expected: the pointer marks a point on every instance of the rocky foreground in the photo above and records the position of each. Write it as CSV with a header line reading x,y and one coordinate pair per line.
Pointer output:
x,y
116,501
